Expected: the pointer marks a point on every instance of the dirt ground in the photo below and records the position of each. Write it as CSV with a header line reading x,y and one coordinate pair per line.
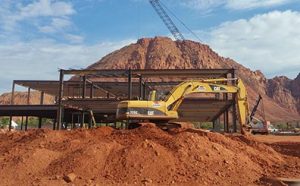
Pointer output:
x,y
276,138
144,156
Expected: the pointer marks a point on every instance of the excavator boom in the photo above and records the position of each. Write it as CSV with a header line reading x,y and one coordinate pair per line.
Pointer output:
x,y
177,94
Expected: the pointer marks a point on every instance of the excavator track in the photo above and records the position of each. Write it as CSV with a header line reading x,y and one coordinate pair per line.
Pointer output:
x,y
162,125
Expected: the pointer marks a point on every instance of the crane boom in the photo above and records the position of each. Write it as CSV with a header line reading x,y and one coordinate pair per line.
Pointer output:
x,y
166,19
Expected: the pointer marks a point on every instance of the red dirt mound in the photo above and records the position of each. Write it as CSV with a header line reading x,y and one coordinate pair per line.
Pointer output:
x,y
146,155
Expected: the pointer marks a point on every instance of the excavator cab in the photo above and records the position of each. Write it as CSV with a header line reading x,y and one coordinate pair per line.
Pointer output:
x,y
152,95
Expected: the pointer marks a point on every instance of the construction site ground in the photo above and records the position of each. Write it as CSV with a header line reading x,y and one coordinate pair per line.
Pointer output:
x,y
277,138
145,156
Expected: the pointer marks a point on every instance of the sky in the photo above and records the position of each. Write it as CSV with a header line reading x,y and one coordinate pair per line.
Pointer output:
x,y
38,37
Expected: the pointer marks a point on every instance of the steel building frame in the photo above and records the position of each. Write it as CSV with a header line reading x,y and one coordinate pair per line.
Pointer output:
x,y
84,86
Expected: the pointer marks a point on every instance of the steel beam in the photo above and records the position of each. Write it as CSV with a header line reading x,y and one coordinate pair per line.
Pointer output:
x,y
151,72
226,107
51,87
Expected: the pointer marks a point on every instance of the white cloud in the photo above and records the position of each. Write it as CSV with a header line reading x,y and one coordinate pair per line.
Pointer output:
x,y
74,38
249,4
37,13
40,59
56,25
269,42
208,5
46,8
205,5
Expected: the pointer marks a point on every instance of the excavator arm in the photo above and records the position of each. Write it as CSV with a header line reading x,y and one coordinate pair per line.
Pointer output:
x,y
177,94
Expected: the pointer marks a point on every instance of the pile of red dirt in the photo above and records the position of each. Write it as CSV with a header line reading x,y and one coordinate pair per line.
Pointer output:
x,y
146,155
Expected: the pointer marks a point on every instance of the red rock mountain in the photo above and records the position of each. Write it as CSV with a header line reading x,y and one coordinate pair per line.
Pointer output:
x,y
21,98
285,91
281,95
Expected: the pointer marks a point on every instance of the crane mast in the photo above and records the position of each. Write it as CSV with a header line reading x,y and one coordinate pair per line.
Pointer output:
x,y
166,19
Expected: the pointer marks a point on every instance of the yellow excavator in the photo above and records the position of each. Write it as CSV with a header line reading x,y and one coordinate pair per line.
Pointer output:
x,y
164,111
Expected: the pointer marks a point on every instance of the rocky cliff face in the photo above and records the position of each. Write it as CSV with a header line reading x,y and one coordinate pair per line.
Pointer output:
x,y
295,89
285,91
281,96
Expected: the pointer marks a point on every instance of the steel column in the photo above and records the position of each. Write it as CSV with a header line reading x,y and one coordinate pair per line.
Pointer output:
x,y
72,120
54,123
234,123
40,122
90,121
22,122
144,91
234,97
28,103
225,115
60,96
10,120
83,86
92,91
129,84
141,87
216,121
12,102
26,123
42,97
41,102
82,119
83,97
28,96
